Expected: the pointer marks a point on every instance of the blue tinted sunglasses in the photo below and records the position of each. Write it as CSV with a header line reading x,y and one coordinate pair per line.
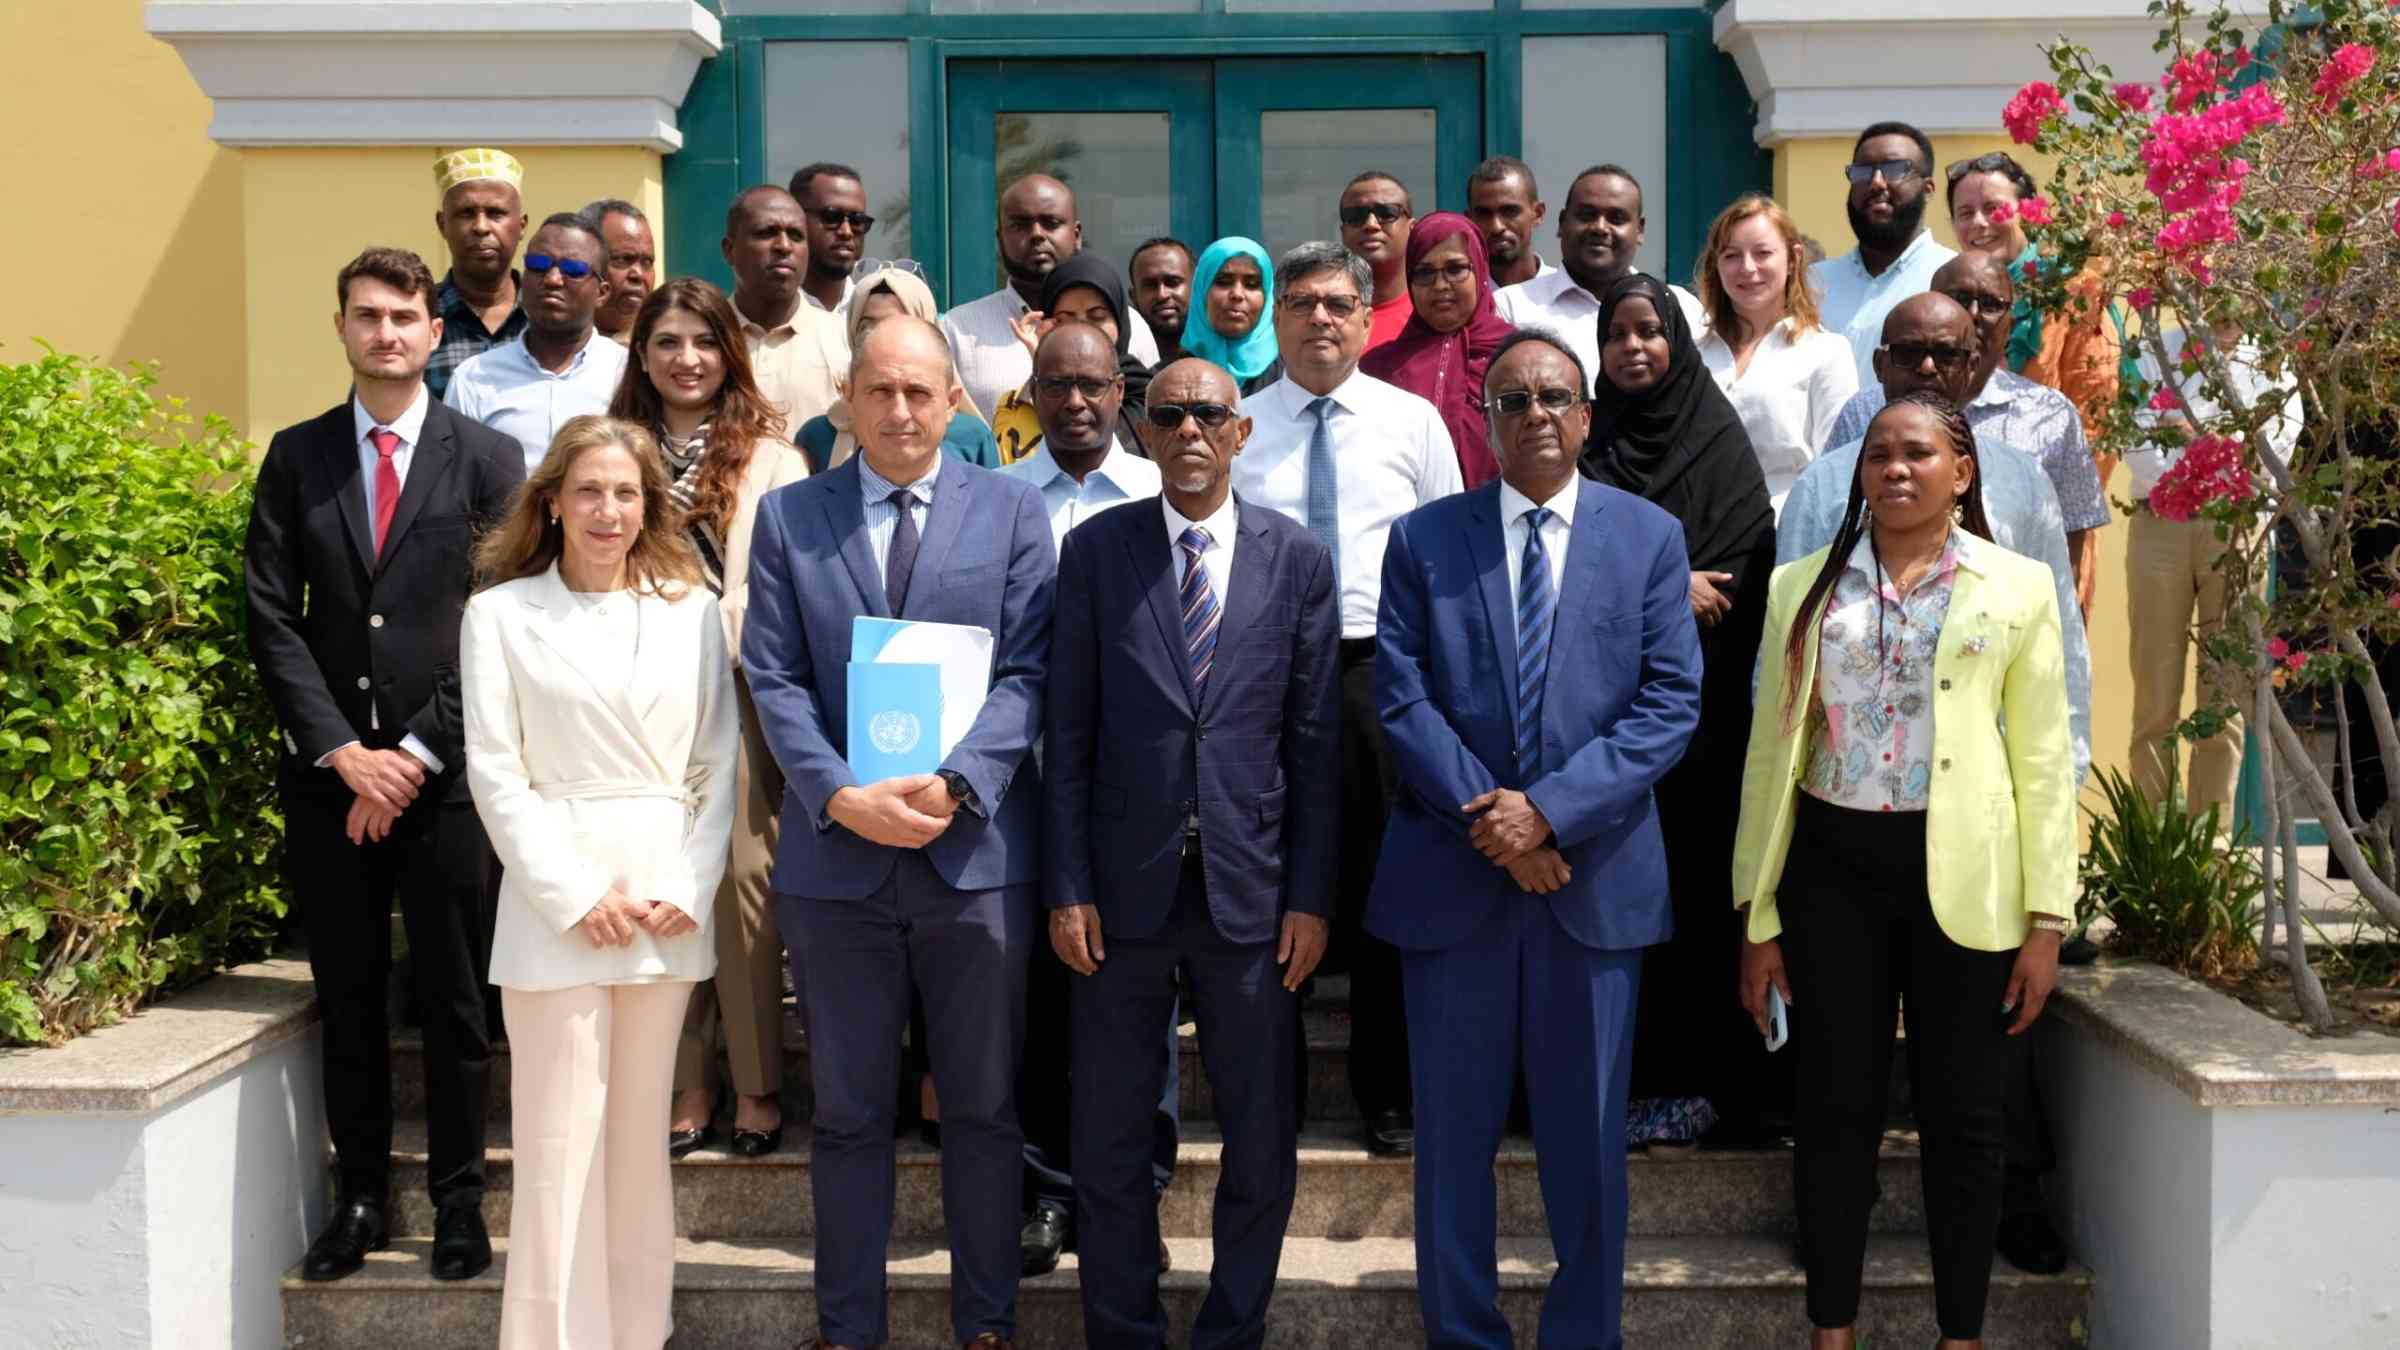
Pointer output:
x,y
542,262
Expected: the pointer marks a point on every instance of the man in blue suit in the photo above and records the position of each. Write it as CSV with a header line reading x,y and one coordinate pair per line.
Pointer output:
x,y
1192,721
926,880
1537,670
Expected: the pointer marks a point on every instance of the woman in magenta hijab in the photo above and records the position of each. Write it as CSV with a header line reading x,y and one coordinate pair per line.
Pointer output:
x,y
1440,356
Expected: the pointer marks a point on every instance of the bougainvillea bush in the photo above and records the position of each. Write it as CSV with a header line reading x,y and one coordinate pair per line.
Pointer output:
x,y
137,825
2251,183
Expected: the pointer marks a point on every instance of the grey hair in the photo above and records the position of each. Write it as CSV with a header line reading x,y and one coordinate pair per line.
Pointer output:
x,y
599,212
1534,332
1303,261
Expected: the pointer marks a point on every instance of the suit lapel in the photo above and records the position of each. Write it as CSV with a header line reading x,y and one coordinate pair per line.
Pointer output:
x,y
1580,582
1245,587
846,517
1146,548
427,465
1485,542
340,466
944,519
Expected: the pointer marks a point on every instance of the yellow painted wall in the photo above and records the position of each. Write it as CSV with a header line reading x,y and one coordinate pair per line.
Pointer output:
x,y
310,211
123,231
1809,183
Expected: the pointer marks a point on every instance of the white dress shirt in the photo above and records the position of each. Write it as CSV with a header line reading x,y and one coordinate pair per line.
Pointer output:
x,y
1391,452
991,361
1557,532
2251,384
1788,398
1855,304
408,426
1119,477
1217,558
883,518
849,284
510,392
1552,300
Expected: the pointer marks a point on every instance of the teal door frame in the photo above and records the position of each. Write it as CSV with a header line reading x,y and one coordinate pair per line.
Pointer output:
x,y
1247,89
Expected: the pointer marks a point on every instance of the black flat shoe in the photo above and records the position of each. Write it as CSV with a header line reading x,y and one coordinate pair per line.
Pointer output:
x,y
1045,1237
756,1143
357,1228
1392,1134
462,1249
681,1142
2032,1245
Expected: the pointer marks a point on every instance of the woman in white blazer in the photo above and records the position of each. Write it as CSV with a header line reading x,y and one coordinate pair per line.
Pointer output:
x,y
724,447
600,738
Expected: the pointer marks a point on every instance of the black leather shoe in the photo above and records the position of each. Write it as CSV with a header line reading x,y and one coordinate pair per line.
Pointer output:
x,y
756,1143
357,1228
2032,1245
681,1142
1392,1134
1047,1235
462,1249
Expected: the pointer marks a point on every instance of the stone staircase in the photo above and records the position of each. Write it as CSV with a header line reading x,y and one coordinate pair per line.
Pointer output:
x,y
1708,1263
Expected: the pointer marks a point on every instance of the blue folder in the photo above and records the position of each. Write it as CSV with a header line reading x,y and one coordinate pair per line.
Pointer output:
x,y
895,719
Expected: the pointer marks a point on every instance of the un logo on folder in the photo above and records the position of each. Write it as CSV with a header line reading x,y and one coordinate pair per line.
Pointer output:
x,y
894,732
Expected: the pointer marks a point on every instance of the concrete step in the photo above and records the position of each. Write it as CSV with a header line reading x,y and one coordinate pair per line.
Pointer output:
x,y
1691,1293
1343,1191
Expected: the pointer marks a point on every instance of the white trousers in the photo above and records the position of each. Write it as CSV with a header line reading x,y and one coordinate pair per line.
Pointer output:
x,y
591,1248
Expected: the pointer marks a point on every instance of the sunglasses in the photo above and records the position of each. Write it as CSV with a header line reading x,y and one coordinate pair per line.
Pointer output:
x,y
834,218
1893,172
575,269
1981,306
1557,399
1383,211
1059,386
1169,416
867,267
1911,355
1301,305
1998,161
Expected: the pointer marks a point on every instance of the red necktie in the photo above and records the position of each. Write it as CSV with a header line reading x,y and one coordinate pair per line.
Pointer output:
x,y
387,483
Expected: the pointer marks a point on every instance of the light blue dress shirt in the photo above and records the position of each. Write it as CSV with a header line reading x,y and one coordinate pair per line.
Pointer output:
x,y
513,394
1855,304
2014,411
883,517
2024,516
1119,477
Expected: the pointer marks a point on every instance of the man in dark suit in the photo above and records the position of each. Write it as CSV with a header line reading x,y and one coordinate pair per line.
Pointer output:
x,y
926,879
361,536
1538,671
1193,703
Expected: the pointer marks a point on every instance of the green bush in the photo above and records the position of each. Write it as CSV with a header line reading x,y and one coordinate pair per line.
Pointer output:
x,y
138,829
2176,892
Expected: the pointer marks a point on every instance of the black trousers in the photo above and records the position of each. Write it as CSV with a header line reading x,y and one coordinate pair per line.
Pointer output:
x,y
1860,936
1043,1100
433,862
1370,781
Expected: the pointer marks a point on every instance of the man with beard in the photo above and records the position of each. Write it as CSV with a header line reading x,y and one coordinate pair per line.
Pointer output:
x,y
1038,231
1891,180
1376,214
1507,208
555,369
482,216
632,264
1599,236
1162,291
834,201
796,349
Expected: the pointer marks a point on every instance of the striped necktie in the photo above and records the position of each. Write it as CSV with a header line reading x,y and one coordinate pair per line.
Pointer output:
x,y
1324,494
1535,607
1199,609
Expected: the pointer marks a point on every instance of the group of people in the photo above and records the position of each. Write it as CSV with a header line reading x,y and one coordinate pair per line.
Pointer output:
x,y
1338,602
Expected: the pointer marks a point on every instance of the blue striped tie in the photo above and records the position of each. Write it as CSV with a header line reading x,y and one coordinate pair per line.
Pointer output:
x,y
1324,494
1535,607
1199,609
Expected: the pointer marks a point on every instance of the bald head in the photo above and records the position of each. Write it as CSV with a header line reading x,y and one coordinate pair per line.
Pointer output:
x,y
902,392
1077,394
1038,230
1929,342
1983,268
1192,379
904,337
1980,284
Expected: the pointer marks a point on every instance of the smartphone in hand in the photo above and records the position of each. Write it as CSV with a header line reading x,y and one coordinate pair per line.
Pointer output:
x,y
1779,1020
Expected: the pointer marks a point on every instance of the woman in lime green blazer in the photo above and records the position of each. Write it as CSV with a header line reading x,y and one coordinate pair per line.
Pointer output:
x,y
1907,833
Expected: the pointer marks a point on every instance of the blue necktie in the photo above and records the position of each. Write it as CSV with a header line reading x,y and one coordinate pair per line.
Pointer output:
x,y
1199,609
901,559
1324,496
1535,607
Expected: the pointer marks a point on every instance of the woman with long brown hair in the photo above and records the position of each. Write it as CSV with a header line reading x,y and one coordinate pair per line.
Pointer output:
x,y
1785,373
722,445
600,735
1906,836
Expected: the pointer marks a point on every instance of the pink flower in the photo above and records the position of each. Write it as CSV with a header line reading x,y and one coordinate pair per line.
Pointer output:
x,y
2033,266
2034,210
2141,297
2132,97
2034,104
2278,648
2347,66
2001,211
2394,602
2166,399
2210,469
2296,660
2116,220
2192,77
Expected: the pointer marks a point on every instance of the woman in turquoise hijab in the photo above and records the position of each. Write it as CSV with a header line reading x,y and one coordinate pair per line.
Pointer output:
x,y
1231,320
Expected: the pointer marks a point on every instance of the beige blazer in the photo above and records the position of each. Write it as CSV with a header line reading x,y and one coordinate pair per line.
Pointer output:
x,y
772,465
589,774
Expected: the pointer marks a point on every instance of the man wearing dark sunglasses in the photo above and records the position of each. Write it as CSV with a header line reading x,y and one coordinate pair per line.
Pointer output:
x,y
1890,177
554,370
833,206
1376,214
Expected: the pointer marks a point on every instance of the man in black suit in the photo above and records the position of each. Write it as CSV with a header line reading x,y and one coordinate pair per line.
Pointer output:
x,y
361,537
1190,742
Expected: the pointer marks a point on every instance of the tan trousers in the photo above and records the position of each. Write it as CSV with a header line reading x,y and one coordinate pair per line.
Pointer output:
x,y
591,1249
741,1010
2174,588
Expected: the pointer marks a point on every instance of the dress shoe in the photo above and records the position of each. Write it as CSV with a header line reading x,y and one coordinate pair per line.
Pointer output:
x,y
1392,1134
681,1142
756,1143
462,1249
357,1228
2032,1245
1047,1235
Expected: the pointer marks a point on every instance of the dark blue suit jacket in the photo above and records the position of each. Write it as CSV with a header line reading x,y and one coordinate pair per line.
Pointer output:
x,y
1620,700
1127,750
986,560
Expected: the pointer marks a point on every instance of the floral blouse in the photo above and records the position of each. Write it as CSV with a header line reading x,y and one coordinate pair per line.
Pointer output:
x,y
1871,716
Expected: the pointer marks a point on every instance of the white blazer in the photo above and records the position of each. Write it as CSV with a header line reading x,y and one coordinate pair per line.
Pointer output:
x,y
589,775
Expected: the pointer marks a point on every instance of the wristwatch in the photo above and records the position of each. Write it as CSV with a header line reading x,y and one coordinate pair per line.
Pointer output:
x,y
961,790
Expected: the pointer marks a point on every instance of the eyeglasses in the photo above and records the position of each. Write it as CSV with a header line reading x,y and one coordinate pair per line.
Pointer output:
x,y
1998,161
575,269
1455,273
1301,304
1893,171
1355,216
834,218
867,267
1911,355
1556,399
1059,386
1981,306
1169,416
